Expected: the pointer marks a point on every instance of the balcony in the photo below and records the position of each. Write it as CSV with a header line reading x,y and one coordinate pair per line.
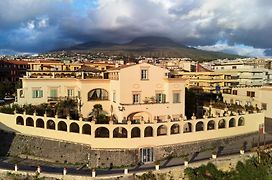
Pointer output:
x,y
57,99
66,75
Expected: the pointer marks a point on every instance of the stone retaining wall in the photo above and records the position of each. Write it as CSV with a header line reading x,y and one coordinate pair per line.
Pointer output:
x,y
66,152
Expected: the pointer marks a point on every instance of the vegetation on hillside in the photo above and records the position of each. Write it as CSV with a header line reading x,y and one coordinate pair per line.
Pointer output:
x,y
259,167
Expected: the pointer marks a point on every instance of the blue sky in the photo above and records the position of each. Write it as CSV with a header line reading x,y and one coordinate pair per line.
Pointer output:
x,y
242,27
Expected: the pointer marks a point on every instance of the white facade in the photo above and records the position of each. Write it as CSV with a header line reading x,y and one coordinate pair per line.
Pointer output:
x,y
136,92
260,97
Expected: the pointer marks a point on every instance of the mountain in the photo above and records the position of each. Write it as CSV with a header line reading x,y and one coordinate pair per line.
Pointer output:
x,y
149,46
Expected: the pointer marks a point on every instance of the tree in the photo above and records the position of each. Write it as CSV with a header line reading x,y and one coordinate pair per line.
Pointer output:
x,y
66,107
99,114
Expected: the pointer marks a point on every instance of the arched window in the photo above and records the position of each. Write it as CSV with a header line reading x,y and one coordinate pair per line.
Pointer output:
x,y
98,94
187,127
148,132
86,129
135,132
211,125
199,126
74,128
62,126
232,122
29,122
175,129
40,123
241,121
222,124
102,132
20,120
120,132
50,124
162,130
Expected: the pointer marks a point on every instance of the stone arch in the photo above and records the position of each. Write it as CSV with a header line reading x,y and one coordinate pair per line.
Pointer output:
x,y
162,130
120,132
199,126
175,129
148,132
74,127
86,129
62,126
98,94
102,132
241,121
231,123
222,124
50,124
137,117
20,120
187,127
29,122
135,132
40,123
211,125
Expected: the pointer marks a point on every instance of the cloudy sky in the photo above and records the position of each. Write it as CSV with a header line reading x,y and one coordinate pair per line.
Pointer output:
x,y
241,26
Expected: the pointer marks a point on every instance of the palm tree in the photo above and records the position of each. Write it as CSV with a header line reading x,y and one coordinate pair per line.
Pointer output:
x,y
66,106
99,114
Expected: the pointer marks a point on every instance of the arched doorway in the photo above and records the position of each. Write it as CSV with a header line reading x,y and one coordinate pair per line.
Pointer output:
x,y
241,121
222,124
211,125
102,132
74,127
162,130
50,124
29,122
231,123
199,126
40,123
62,126
135,132
20,120
86,129
137,117
120,132
148,132
187,127
175,129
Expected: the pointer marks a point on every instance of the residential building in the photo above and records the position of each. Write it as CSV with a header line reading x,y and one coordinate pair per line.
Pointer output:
x,y
135,92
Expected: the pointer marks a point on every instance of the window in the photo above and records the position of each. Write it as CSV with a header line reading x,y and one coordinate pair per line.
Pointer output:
x,y
97,94
114,96
78,94
264,106
160,98
234,92
70,92
234,67
144,74
251,93
37,93
176,97
53,93
21,92
136,98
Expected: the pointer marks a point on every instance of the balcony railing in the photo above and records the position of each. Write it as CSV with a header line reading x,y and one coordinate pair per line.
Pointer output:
x,y
56,99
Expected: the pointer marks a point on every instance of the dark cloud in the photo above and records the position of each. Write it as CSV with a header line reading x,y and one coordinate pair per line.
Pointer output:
x,y
31,25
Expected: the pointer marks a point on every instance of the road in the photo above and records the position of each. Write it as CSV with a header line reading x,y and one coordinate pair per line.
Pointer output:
x,y
31,165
